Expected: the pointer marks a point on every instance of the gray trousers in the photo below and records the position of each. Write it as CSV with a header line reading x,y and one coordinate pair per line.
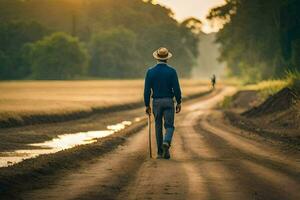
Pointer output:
x,y
163,110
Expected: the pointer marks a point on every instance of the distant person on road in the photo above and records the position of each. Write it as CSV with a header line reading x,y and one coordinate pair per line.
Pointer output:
x,y
213,81
162,81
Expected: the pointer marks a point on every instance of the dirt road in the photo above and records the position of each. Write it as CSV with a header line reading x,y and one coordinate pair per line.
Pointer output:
x,y
210,160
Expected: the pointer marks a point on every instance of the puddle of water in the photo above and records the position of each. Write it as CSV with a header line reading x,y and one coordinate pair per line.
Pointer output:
x,y
11,158
67,141
137,119
59,143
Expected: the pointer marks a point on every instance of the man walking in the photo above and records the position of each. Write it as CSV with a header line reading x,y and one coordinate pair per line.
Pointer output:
x,y
213,81
162,81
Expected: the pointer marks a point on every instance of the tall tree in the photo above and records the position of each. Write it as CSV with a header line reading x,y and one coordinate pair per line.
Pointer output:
x,y
58,56
13,36
251,39
114,54
152,25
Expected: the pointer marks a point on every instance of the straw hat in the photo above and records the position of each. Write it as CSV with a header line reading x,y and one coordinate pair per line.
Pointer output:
x,y
162,54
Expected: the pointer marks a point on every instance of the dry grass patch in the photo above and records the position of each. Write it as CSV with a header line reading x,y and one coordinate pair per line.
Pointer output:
x,y
22,99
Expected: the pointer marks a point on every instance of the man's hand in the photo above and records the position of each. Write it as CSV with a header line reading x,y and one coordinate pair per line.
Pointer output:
x,y
148,110
178,108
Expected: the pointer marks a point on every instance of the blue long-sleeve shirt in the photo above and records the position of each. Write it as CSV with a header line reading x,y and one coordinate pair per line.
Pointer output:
x,y
163,81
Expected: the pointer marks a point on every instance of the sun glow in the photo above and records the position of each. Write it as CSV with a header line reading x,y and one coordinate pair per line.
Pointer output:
x,y
193,8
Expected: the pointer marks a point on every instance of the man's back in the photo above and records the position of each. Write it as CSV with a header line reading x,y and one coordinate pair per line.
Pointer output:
x,y
163,81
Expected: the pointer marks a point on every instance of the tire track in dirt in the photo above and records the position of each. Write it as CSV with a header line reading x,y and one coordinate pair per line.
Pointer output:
x,y
258,166
261,152
184,168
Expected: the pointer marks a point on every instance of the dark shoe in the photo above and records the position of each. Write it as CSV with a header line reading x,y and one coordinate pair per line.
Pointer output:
x,y
166,153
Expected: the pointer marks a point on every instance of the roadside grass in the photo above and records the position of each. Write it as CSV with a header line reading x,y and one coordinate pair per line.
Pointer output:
x,y
22,102
264,89
268,87
226,103
293,80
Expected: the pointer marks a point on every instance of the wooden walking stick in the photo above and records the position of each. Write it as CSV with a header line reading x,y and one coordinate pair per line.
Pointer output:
x,y
149,128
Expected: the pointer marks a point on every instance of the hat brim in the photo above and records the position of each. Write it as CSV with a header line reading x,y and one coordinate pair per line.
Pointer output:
x,y
156,56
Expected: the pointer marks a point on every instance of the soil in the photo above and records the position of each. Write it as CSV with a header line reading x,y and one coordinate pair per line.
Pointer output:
x,y
245,99
210,160
266,127
277,118
34,173
280,101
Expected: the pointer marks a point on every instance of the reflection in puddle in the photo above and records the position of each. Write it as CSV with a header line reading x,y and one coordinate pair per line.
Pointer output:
x,y
59,143
10,158
137,119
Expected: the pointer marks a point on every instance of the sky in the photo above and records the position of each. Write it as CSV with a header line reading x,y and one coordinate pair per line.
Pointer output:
x,y
193,8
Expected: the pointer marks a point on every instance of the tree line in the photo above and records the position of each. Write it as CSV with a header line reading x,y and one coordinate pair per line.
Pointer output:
x,y
260,38
63,39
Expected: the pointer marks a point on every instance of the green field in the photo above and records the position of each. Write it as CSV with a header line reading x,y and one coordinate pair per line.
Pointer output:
x,y
22,99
